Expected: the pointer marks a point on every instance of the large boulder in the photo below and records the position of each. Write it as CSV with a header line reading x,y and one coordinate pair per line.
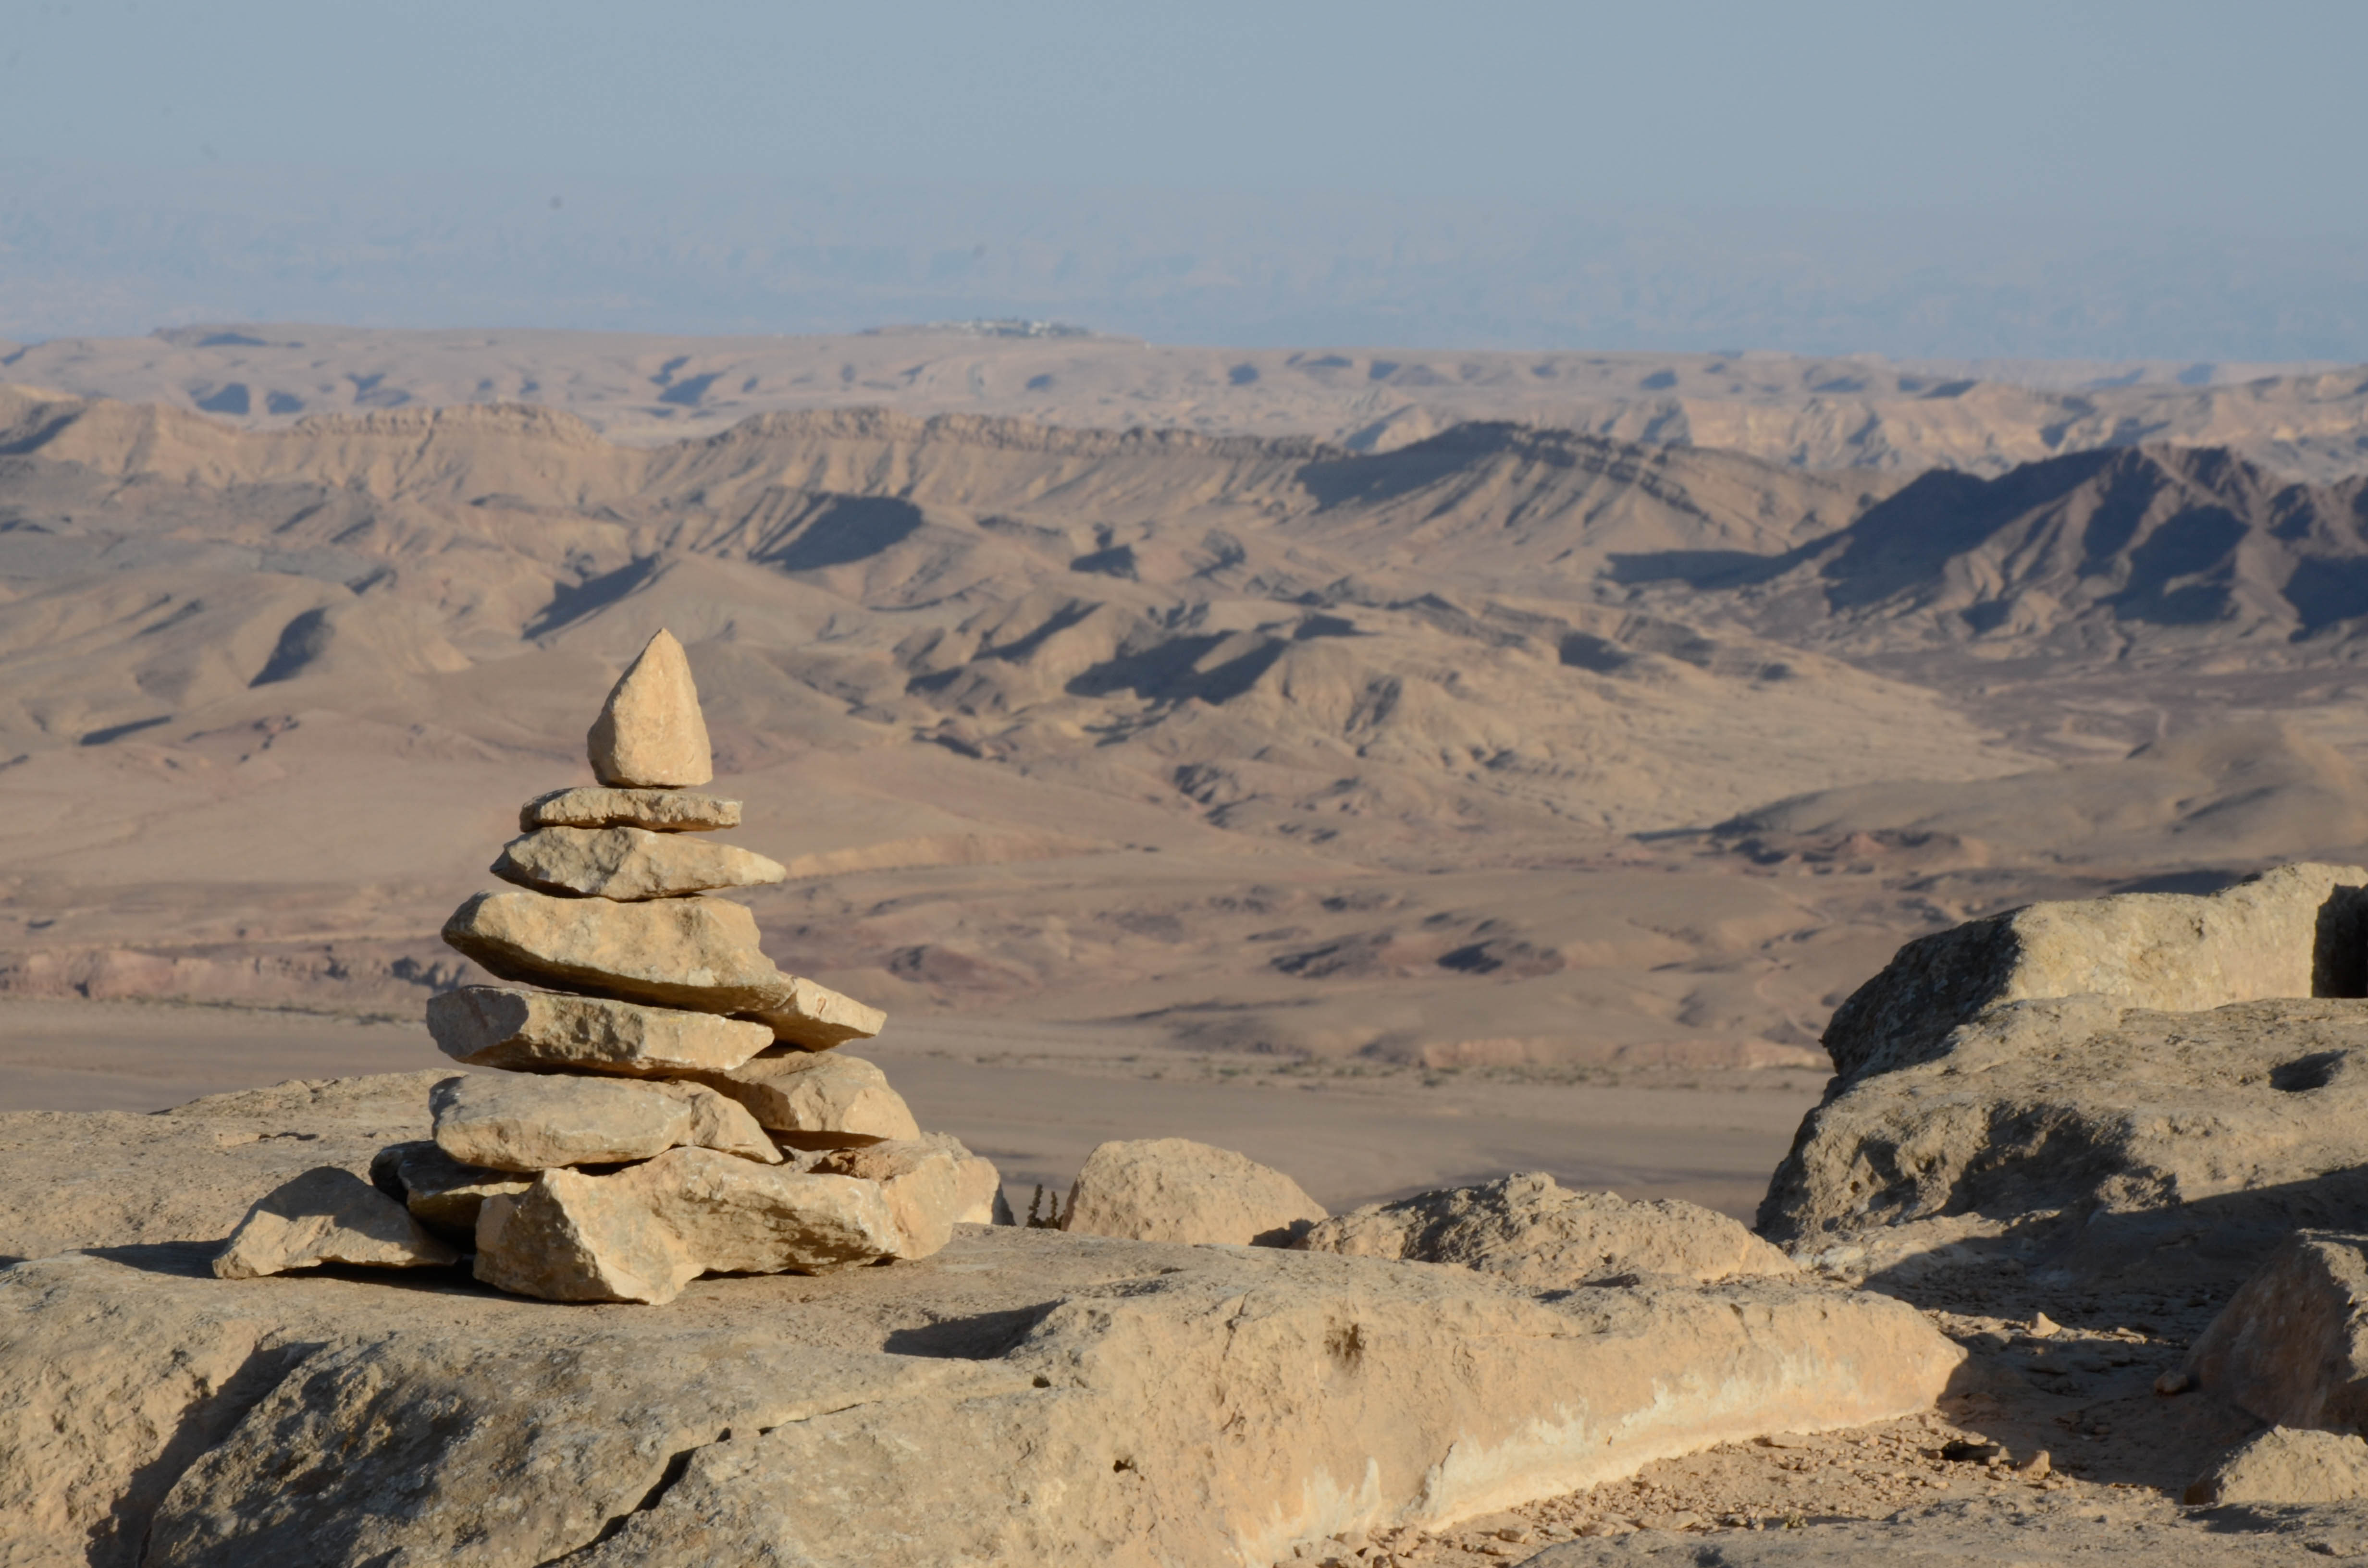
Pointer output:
x,y
1172,1190
545,1032
650,733
2294,931
2291,1347
1526,1229
629,864
2185,1143
694,953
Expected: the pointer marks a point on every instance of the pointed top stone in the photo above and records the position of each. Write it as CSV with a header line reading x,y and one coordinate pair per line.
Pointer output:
x,y
651,733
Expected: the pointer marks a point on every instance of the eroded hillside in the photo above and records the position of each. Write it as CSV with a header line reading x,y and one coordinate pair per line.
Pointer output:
x,y
1220,741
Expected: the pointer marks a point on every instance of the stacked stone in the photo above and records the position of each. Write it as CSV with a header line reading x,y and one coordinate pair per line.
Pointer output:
x,y
662,1101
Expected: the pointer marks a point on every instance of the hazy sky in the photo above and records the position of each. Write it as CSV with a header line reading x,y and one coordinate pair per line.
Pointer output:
x,y
2206,125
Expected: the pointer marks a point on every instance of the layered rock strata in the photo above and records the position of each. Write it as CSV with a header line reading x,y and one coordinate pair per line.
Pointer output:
x,y
655,1098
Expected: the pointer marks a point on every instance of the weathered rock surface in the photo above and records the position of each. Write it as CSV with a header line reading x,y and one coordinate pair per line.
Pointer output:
x,y
1172,1190
1528,1230
2291,1347
2016,1532
694,953
439,1191
516,1121
660,810
2294,931
645,1231
629,864
817,1100
2284,1465
650,733
1022,1397
921,1181
2190,1143
114,1178
502,1026
983,1201
328,1215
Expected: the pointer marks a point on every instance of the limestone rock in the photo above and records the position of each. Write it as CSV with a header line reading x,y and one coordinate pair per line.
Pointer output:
x,y
502,1026
816,1100
982,1185
326,1215
1024,1396
440,1192
2283,1465
2291,1347
644,1232
513,1121
628,864
2294,931
694,953
2190,1143
552,1436
1526,1230
1172,1190
660,810
650,733
73,1179
922,1182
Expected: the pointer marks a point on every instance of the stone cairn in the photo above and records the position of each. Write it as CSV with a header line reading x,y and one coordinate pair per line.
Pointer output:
x,y
662,1101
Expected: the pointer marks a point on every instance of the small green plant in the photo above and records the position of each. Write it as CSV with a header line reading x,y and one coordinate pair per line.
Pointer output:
x,y
1045,1211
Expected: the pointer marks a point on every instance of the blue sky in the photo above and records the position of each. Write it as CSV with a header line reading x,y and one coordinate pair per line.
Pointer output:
x,y
2100,180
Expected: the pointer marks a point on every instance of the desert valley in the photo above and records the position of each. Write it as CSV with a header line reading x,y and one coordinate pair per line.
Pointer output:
x,y
1404,769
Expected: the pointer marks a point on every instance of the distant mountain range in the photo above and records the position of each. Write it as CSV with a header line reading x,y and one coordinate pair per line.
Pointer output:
x,y
1862,413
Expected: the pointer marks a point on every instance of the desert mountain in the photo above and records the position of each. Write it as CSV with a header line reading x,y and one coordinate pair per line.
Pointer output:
x,y
1388,750
2087,555
1859,412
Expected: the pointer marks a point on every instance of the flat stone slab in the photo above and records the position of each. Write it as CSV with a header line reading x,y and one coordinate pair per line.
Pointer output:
x,y
439,1190
644,1232
328,1215
660,810
816,1099
518,1121
695,953
1020,1397
532,1031
629,864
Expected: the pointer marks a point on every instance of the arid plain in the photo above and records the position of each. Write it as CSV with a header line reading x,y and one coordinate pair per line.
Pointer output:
x,y
1230,746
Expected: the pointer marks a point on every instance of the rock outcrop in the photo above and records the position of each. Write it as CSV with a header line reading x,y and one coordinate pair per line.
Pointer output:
x,y
1526,1230
2220,1130
2294,931
1019,1396
1172,1190
2290,1347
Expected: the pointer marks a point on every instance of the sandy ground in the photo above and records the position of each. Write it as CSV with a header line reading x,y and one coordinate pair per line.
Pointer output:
x,y
1036,1099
